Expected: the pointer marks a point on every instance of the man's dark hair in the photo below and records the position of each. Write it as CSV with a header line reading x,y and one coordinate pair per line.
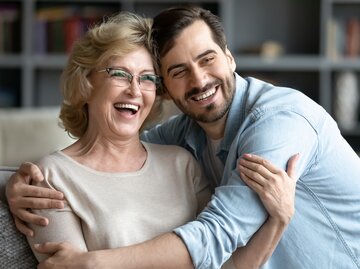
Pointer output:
x,y
169,23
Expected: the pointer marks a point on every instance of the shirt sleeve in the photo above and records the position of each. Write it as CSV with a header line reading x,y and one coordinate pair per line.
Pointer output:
x,y
235,212
64,226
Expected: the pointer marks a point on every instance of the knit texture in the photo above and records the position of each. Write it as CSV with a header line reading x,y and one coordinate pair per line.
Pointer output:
x,y
15,252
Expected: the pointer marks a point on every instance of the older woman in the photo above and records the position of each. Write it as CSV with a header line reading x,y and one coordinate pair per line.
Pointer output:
x,y
119,190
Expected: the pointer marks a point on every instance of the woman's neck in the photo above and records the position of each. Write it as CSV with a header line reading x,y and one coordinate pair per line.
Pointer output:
x,y
115,155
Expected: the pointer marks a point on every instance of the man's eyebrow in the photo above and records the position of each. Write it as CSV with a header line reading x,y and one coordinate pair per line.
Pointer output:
x,y
204,54
196,58
174,67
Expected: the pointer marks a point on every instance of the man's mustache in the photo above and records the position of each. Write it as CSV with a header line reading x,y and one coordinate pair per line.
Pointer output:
x,y
196,90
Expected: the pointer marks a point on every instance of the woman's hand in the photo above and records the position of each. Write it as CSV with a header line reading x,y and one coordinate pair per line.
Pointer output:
x,y
21,196
275,187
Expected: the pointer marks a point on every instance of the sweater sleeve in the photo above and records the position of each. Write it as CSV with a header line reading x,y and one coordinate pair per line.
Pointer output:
x,y
64,225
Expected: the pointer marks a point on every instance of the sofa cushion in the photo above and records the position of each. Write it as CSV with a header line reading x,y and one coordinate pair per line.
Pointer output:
x,y
14,248
5,173
27,134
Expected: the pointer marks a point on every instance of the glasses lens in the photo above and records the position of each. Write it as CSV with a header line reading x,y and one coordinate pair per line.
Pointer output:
x,y
122,77
149,81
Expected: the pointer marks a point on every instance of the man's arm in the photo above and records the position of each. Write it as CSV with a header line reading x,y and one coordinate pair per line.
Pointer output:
x,y
164,252
277,192
21,196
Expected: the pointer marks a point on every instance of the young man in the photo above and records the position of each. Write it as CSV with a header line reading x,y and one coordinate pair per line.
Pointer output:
x,y
224,117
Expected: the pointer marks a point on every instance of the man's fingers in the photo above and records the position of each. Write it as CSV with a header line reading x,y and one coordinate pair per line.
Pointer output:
x,y
29,217
40,192
23,190
31,170
291,166
47,248
23,228
40,203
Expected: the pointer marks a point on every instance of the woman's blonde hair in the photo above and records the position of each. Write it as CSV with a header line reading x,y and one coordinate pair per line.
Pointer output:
x,y
114,37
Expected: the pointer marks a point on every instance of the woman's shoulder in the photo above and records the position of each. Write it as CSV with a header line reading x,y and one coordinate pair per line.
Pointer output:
x,y
51,160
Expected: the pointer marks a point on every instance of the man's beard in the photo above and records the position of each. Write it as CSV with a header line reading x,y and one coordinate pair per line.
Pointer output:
x,y
211,115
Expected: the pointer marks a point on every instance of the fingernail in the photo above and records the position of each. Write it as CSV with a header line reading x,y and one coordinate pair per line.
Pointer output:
x,y
59,205
36,245
43,222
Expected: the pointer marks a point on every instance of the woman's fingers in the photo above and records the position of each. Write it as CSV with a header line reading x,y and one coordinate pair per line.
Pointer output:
x,y
256,187
275,187
255,162
291,166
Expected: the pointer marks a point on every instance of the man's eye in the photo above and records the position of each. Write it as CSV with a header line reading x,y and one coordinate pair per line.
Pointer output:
x,y
208,60
179,73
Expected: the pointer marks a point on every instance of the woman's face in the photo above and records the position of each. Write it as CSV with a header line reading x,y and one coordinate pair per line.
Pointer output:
x,y
118,107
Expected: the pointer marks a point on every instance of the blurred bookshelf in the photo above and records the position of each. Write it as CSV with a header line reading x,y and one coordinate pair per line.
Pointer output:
x,y
304,44
310,45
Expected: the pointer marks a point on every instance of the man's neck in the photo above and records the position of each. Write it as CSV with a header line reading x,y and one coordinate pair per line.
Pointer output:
x,y
214,130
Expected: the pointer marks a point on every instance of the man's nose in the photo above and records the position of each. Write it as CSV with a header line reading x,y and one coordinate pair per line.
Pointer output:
x,y
198,77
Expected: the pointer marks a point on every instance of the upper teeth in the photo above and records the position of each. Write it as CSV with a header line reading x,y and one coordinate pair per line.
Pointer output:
x,y
205,95
129,106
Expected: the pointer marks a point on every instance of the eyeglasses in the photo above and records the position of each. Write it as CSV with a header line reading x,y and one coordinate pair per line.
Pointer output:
x,y
146,82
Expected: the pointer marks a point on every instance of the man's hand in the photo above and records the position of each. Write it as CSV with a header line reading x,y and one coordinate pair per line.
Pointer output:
x,y
21,196
64,255
275,187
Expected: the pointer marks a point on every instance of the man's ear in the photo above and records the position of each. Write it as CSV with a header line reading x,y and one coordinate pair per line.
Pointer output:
x,y
231,59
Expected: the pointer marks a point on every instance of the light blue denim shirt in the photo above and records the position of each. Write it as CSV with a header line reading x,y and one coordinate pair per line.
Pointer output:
x,y
276,123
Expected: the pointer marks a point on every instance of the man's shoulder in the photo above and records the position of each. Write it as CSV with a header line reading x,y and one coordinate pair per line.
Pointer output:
x,y
166,149
263,98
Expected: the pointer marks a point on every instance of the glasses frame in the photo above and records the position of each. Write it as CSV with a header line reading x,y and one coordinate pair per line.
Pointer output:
x,y
130,77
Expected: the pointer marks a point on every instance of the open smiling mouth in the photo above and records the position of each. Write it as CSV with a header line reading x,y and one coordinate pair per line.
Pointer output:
x,y
205,94
130,108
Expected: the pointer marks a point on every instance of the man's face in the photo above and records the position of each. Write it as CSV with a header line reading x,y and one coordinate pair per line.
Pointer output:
x,y
198,75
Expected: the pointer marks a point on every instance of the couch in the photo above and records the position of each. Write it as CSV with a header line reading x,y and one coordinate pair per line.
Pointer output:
x,y
15,252
25,135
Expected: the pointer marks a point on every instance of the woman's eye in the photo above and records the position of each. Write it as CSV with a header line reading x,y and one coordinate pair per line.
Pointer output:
x,y
118,73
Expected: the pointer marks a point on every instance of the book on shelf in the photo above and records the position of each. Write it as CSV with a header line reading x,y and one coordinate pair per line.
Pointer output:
x,y
58,27
343,38
9,28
